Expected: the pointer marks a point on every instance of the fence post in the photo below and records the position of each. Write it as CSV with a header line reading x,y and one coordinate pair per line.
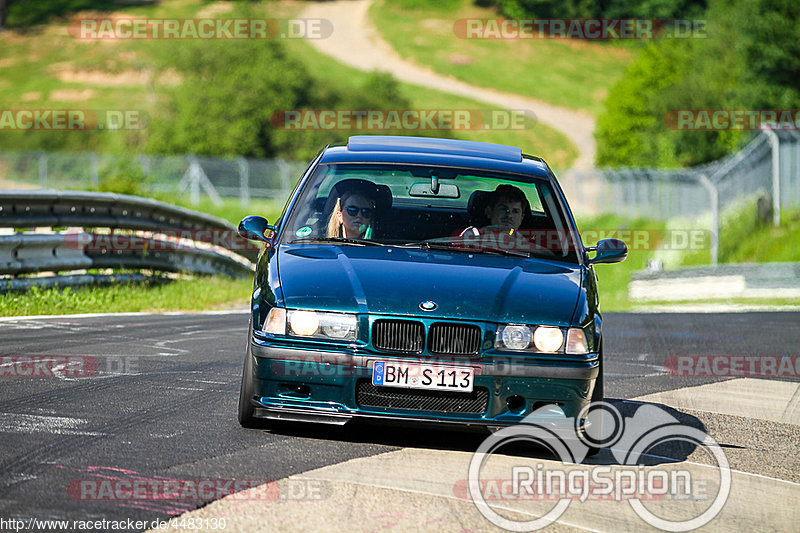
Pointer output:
x,y
714,194
42,169
244,181
775,145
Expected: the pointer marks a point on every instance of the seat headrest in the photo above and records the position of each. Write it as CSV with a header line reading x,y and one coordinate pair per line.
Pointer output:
x,y
382,194
476,207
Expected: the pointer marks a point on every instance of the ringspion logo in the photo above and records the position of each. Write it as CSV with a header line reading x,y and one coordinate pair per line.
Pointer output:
x,y
628,439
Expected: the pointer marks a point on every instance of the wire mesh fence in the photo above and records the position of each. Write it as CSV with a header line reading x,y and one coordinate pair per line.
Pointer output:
x,y
764,175
181,174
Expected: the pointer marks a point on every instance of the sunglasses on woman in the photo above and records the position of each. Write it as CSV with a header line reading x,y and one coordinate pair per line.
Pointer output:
x,y
352,210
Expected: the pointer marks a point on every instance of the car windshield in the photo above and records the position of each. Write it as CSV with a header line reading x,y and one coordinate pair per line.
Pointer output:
x,y
465,210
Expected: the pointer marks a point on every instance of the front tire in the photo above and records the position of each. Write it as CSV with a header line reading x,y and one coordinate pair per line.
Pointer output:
x,y
598,394
247,392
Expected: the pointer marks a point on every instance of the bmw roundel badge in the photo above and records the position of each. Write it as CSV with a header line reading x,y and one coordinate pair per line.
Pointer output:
x,y
428,305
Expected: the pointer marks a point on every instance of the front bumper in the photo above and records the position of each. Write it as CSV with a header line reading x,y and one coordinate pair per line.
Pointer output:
x,y
314,385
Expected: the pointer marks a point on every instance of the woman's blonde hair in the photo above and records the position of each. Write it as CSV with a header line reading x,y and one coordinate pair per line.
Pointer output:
x,y
334,226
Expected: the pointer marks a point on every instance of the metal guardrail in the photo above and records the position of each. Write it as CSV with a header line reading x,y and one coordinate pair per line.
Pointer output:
x,y
745,280
50,208
170,243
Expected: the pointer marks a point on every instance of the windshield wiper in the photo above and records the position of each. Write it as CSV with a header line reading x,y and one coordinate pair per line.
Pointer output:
x,y
459,247
342,240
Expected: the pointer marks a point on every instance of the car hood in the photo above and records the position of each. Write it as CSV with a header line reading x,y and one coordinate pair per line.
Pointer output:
x,y
394,281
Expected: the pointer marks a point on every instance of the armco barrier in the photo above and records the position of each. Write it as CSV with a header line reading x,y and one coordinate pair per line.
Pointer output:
x,y
748,280
177,239
50,208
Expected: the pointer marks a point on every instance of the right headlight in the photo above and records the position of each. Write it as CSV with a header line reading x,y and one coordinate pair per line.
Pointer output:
x,y
541,339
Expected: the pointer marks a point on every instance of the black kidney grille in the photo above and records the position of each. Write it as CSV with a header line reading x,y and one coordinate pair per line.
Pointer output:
x,y
454,339
398,336
475,402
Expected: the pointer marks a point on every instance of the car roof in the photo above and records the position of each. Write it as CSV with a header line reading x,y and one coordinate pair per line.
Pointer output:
x,y
435,151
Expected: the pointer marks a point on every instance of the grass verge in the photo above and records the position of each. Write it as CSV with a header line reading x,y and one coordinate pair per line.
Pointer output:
x,y
569,73
745,239
613,279
535,139
198,294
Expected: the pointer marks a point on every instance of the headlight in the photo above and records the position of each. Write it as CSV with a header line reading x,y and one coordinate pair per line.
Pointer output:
x,y
541,339
303,323
338,326
317,324
548,339
515,337
576,341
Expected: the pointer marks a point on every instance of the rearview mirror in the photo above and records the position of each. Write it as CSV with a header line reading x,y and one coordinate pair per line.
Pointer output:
x,y
424,190
255,228
610,251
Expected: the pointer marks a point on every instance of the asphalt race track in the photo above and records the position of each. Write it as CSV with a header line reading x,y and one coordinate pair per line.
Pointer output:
x,y
157,401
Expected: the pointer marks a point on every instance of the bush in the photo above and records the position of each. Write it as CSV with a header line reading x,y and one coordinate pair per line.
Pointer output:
x,y
750,60
123,176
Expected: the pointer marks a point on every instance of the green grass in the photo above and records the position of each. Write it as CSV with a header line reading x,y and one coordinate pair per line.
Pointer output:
x,y
46,68
743,239
536,139
232,211
613,279
573,74
723,301
199,294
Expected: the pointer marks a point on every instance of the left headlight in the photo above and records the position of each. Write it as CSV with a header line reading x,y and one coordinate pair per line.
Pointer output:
x,y
314,324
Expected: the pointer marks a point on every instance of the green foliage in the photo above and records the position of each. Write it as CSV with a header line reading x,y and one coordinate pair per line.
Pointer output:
x,y
745,239
613,279
196,294
24,13
749,60
224,105
663,9
123,176
231,91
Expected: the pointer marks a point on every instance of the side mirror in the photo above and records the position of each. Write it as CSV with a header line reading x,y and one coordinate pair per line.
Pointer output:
x,y
609,251
255,228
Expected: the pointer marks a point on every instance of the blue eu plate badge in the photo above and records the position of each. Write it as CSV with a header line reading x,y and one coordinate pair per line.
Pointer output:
x,y
378,369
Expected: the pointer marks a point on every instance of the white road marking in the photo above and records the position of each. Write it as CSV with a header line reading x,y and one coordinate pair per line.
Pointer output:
x,y
59,425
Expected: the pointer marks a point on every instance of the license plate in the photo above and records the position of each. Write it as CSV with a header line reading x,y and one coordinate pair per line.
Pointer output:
x,y
422,376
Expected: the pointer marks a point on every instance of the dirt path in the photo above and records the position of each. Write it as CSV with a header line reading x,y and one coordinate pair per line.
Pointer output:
x,y
356,42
